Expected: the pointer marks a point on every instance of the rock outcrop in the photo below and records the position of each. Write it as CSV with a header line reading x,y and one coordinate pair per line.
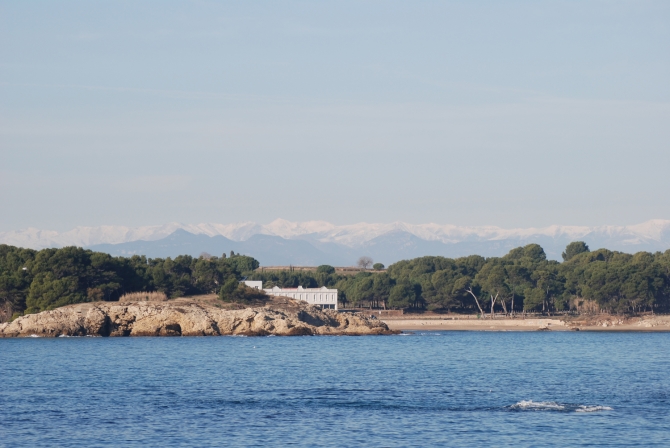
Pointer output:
x,y
189,319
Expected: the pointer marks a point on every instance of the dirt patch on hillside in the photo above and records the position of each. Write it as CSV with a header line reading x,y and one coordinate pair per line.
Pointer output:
x,y
279,303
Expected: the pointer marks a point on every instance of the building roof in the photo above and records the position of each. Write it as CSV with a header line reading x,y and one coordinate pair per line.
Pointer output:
x,y
300,288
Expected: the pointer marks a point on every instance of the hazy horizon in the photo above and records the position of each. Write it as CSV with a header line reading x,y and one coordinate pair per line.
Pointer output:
x,y
282,220
514,114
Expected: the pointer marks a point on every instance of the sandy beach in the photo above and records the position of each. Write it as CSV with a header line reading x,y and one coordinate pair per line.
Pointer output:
x,y
579,323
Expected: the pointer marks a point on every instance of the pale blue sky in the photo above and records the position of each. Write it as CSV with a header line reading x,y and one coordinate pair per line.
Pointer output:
x,y
510,113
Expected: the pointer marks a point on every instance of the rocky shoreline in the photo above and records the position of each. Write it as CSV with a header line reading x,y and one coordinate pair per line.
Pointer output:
x,y
186,318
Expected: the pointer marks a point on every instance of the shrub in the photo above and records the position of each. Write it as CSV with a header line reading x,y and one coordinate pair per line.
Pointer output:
x,y
156,296
241,293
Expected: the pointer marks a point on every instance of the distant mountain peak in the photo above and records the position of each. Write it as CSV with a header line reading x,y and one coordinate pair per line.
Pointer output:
x,y
427,239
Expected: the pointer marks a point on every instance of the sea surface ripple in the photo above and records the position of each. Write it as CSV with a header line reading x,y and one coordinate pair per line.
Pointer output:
x,y
424,389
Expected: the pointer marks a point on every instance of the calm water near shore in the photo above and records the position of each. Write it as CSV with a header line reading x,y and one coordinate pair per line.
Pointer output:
x,y
432,388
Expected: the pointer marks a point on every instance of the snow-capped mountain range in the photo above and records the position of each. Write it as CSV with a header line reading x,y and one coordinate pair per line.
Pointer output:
x,y
389,242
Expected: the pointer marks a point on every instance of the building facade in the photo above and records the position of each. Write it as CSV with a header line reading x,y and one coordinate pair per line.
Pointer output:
x,y
322,297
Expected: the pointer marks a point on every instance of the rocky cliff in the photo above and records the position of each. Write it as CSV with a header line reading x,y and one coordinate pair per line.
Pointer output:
x,y
186,318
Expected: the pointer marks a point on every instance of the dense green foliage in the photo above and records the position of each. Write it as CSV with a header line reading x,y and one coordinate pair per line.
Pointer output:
x,y
33,281
521,280
574,248
237,292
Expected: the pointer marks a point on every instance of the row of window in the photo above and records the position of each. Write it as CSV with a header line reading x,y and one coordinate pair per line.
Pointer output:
x,y
319,298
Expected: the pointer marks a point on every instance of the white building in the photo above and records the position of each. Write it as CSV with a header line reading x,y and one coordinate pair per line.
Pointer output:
x,y
322,297
256,284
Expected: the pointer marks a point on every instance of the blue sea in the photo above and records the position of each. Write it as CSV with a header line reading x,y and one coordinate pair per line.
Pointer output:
x,y
423,389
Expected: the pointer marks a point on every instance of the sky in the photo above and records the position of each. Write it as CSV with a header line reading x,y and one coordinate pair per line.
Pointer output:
x,y
515,113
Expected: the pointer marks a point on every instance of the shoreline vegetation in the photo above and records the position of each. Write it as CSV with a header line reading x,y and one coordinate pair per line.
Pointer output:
x,y
598,289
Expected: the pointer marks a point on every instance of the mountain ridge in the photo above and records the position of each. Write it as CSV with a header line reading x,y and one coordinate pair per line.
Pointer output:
x,y
350,235
317,241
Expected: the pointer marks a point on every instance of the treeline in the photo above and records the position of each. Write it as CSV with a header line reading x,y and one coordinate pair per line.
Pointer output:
x,y
522,280
33,281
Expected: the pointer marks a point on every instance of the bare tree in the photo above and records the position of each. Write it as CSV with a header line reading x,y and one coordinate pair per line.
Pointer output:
x,y
504,305
364,262
205,255
493,304
469,289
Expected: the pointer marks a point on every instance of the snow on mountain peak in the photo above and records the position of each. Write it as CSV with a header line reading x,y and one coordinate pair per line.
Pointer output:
x,y
352,235
288,229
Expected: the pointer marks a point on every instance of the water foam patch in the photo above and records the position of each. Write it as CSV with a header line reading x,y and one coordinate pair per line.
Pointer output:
x,y
583,408
530,405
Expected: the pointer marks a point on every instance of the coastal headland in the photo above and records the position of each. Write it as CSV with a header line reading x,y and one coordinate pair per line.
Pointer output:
x,y
192,317
280,316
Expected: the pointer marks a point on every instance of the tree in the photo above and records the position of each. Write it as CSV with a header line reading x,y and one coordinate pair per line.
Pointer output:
x,y
533,298
48,292
492,279
325,269
228,288
363,289
467,284
205,275
402,295
574,248
377,266
547,287
33,281
364,262
342,298
238,292
381,288
517,281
